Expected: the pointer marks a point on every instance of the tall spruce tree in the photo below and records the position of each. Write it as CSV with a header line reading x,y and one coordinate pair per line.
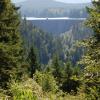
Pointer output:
x,y
91,60
10,42
57,68
33,61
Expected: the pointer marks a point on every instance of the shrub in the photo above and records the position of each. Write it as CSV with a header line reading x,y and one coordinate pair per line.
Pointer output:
x,y
4,95
27,90
46,81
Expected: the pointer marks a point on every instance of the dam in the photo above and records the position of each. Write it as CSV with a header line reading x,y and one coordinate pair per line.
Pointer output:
x,y
56,25
55,18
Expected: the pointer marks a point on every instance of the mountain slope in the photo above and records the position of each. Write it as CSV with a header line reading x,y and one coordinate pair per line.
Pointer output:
x,y
38,4
48,3
29,7
48,44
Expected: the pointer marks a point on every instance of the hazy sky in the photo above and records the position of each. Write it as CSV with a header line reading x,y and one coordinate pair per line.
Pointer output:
x,y
67,1
74,1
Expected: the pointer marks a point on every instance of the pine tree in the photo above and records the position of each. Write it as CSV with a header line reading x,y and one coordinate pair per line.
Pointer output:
x,y
57,68
33,61
10,42
91,60
70,78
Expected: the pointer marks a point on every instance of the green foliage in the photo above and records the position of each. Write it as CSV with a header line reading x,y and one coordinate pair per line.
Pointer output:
x,y
4,97
91,60
10,42
71,82
46,81
58,76
95,92
63,96
57,68
26,90
33,61
66,75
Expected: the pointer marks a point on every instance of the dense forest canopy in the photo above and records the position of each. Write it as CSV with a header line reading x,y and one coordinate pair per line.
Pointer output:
x,y
40,65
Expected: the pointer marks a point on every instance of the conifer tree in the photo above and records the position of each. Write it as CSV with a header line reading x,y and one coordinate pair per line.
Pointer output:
x,y
91,60
70,78
57,68
33,61
10,42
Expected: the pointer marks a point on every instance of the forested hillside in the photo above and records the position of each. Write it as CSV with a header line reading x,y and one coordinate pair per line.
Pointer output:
x,y
52,8
49,44
38,65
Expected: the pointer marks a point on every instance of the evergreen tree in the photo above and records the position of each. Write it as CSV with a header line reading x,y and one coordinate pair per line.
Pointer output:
x,y
33,61
70,81
10,42
47,81
57,69
91,60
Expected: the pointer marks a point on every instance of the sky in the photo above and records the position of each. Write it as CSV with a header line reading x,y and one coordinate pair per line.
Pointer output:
x,y
66,1
74,1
